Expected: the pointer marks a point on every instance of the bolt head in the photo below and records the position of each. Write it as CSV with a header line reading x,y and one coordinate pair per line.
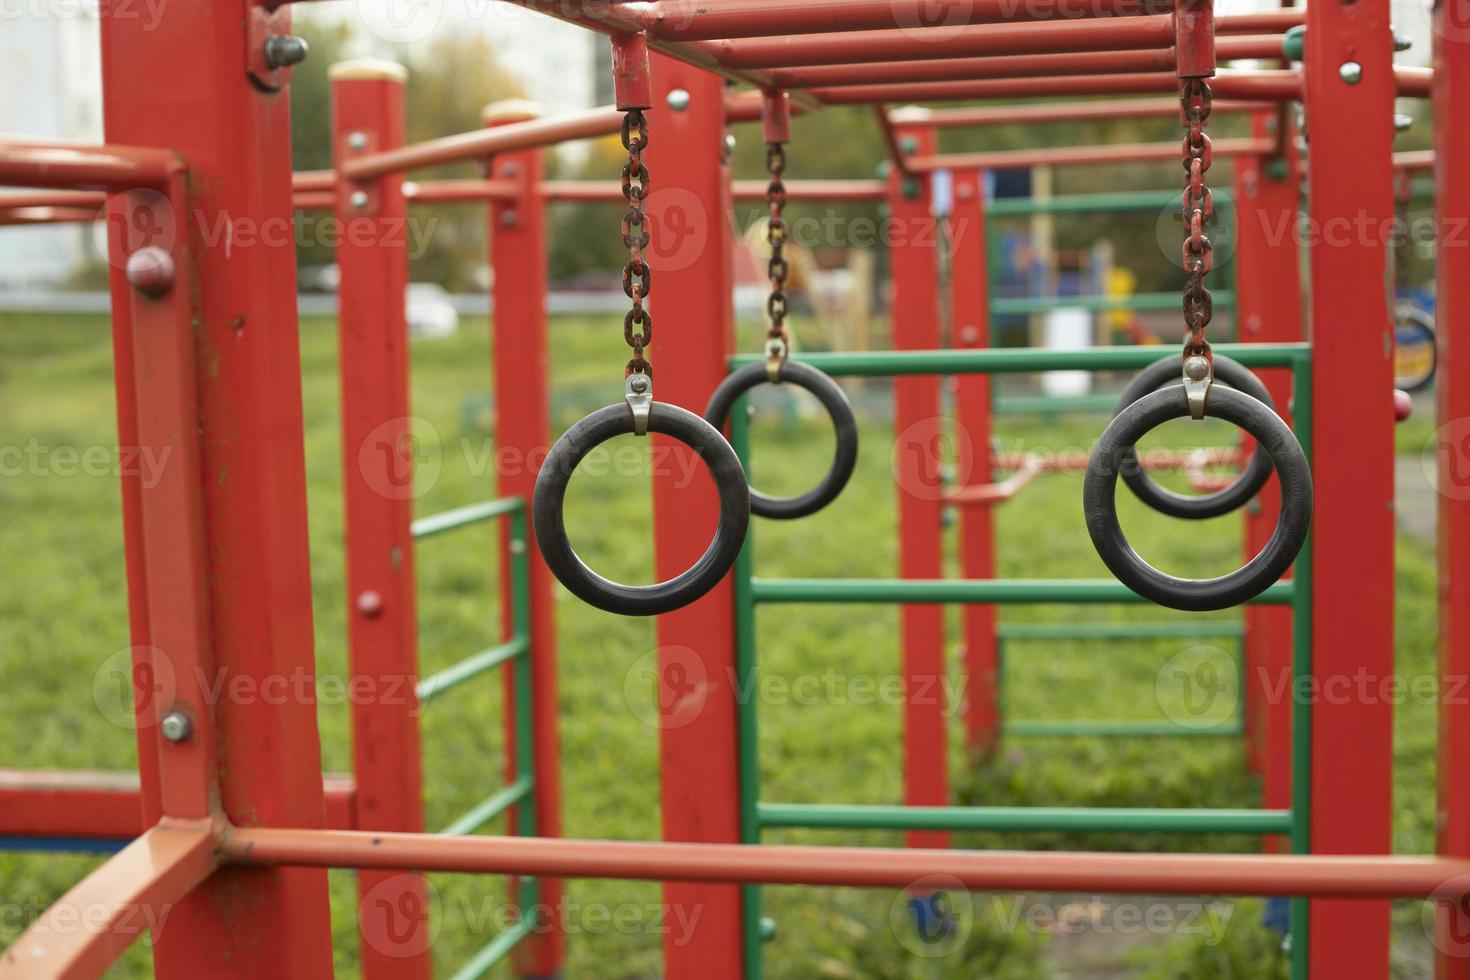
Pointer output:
x,y
1402,42
1402,121
151,271
358,199
729,143
1351,72
1196,368
176,726
639,384
517,546
370,604
357,140
285,50
679,100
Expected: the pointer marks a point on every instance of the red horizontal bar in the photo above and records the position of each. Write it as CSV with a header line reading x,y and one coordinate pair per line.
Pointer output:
x,y
1070,156
1018,66
1101,34
1414,161
79,166
47,216
744,190
91,803
452,191
680,21
1010,115
1055,871
1255,85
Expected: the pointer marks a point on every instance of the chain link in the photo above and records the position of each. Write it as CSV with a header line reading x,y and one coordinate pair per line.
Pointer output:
x,y
778,342
1199,210
637,276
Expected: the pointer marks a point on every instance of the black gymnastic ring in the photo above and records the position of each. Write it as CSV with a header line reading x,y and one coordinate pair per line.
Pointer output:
x,y
1257,471
1099,504
549,497
844,426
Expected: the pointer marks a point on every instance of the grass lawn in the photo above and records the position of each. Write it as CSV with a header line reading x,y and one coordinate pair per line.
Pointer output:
x,y
63,623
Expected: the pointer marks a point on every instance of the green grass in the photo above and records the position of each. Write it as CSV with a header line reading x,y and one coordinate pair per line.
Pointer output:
x,y
63,615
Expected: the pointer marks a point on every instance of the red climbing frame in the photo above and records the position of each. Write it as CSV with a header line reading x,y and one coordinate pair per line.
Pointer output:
x,y
217,559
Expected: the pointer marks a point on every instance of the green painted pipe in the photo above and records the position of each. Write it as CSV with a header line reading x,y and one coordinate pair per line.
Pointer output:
x,y
1024,360
1044,405
1087,203
998,591
1025,305
459,517
1024,818
1118,729
1118,631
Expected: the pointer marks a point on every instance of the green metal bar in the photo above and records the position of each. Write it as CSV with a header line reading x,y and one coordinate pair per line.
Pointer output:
x,y
746,718
517,543
494,951
1301,669
1045,405
999,591
1004,207
449,520
1011,360
472,666
490,807
1024,305
1119,729
1119,631
1024,818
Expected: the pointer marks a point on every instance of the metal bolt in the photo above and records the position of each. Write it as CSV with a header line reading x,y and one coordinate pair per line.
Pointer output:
x,y
1402,121
509,218
1196,368
151,271
176,726
969,334
358,199
729,143
285,50
639,384
517,546
1351,72
679,100
370,604
357,140
1402,42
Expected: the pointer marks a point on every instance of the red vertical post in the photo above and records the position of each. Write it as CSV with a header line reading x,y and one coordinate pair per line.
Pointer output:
x,y
969,304
517,239
1349,94
378,492
1268,310
690,254
914,259
182,80
1451,33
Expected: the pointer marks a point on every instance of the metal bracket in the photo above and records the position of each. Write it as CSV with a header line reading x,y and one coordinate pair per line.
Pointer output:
x,y
1199,374
638,390
266,24
775,357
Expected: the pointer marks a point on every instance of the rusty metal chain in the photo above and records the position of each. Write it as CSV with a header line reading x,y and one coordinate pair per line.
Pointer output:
x,y
778,342
1198,210
637,277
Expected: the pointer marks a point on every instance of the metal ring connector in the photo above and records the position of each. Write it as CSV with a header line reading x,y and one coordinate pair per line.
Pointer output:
x,y
1199,374
638,390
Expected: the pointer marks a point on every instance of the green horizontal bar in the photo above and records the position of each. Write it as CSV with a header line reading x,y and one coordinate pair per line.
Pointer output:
x,y
1117,631
494,951
1083,203
472,666
450,520
998,591
1022,818
489,808
1021,360
1021,305
1048,405
1117,729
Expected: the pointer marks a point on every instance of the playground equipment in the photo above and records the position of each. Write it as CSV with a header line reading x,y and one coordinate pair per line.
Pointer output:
x,y
206,362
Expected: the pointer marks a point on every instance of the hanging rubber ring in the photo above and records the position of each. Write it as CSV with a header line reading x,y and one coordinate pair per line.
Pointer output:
x,y
549,519
844,426
1257,471
1113,450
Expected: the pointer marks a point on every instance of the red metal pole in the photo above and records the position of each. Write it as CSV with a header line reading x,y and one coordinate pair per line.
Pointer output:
x,y
690,256
179,80
1451,34
1268,309
517,235
969,303
920,430
1359,876
1350,207
378,493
